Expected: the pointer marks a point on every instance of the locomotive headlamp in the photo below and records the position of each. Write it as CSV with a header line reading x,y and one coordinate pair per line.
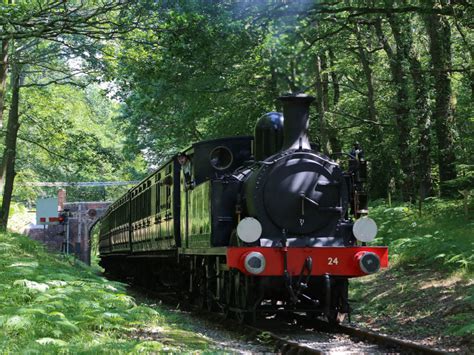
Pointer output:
x,y
254,262
365,229
249,230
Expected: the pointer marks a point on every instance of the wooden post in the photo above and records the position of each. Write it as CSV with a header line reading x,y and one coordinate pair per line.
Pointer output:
x,y
465,194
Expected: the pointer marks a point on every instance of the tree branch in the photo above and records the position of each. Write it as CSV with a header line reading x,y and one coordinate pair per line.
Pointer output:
x,y
345,114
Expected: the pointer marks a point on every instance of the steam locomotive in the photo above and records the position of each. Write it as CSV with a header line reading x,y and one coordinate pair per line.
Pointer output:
x,y
249,225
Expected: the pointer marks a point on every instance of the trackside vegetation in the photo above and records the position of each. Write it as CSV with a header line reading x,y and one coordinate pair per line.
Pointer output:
x,y
440,237
50,304
427,294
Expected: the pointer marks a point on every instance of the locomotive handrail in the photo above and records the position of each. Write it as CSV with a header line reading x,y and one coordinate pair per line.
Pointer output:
x,y
285,155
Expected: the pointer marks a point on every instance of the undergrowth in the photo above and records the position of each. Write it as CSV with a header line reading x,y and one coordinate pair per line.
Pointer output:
x,y
428,290
441,237
51,304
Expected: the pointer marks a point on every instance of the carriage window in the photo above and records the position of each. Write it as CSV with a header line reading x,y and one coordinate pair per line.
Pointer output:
x,y
186,167
168,196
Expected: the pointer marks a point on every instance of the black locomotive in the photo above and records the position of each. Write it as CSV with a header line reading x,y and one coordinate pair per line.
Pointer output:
x,y
249,225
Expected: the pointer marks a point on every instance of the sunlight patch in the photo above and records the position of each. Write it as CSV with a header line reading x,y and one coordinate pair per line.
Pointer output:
x,y
443,282
32,264
148,346
32,285
57,283
17,323
51,341
111,288
5,246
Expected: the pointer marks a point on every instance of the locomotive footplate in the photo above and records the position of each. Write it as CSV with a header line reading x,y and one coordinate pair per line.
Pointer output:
x,y
290,261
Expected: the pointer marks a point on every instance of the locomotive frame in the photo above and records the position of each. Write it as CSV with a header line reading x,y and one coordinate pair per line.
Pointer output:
x,y
178,227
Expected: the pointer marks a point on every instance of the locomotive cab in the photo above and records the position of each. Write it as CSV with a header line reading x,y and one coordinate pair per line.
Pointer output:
x,y
208,198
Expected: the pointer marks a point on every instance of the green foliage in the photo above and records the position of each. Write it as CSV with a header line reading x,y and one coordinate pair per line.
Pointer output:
x,y
464,183
199,70
464,326
66,130
416,302
47,20
69,135
48,304
201,78
427,291
440,238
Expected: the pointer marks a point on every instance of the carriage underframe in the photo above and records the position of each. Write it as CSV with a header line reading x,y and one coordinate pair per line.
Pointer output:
x,y
209,282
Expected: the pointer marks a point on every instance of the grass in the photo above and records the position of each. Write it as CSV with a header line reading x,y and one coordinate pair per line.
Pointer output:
x,y
427,294
440,238
51,304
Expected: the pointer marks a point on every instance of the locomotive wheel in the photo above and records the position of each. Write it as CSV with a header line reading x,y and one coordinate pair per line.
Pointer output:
x,y
211,305
243,299
211,289
201,296
332,317
199,293
335,317
228,294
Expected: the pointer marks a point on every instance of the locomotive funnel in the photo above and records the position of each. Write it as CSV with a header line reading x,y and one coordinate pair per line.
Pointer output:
x,y
296,121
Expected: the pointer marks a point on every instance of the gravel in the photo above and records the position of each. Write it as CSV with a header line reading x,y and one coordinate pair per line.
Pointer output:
x,y
330,343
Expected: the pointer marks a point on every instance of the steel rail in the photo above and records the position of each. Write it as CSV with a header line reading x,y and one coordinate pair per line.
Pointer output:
x,y
387,340
406,346
286,346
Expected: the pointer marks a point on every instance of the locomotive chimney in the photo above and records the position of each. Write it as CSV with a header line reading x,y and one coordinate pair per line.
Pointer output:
x,y
296,121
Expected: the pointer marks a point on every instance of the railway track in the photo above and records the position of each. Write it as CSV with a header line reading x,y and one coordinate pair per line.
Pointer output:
x,y
385,342
388,340
296,334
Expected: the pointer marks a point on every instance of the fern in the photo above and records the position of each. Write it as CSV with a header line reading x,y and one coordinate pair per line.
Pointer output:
x,y
46,311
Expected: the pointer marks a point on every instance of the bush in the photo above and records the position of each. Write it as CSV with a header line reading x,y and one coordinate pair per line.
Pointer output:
x,y
440,237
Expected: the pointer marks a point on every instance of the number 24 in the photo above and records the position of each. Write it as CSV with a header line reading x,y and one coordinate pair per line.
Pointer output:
x,y
333,261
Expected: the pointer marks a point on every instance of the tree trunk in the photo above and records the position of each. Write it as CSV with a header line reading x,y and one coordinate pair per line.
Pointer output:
x,y
401,104
334,79
324,81
320,107
9,155
439,33
405,51
369,78
3,77
332,133
380,173
275,92
470,65
422,112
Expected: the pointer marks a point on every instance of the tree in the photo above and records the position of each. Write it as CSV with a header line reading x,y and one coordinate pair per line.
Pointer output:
x,y
3,76
9,155
69,134
439,32
401,111
421,110
195,70
36,32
